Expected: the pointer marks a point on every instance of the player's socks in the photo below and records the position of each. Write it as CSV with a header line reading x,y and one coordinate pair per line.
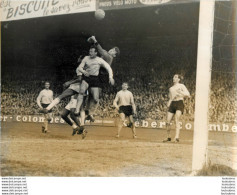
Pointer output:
x,y
90,118
75,130
67,120
74,126
81,129
53,103
75,119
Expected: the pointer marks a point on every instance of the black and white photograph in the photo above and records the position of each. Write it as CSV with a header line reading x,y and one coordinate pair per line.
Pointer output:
x,y
118,88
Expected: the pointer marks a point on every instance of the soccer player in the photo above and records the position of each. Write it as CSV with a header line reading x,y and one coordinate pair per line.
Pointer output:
x,y
175,105
74,87
124,103
95,92
90,67
44,98
70,109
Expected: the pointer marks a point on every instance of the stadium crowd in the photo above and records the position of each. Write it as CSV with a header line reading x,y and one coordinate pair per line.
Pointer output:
x,y
149,80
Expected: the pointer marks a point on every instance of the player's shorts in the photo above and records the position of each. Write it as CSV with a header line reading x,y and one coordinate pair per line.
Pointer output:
x,y
93,81
176,105
127,110
104,79
75,87
72,104
45,106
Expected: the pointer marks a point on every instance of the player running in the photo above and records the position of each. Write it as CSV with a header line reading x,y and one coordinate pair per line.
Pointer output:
x,y
78,126
44,98
95,92
176,105
90,67
124,103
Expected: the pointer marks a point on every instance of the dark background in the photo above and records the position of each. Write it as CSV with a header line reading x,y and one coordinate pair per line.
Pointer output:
x,y
54,43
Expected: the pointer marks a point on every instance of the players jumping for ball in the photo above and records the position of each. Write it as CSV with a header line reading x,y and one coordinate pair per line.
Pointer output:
x,y
95,92
90,67
175,105
44,98
74,87
124,103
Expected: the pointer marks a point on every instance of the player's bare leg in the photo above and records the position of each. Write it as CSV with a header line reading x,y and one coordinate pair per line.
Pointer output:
x,y
88,105
133,126
177,125
120,123
80,98
76,120
93,101
65,94
82,120
47,119
169,118
45,124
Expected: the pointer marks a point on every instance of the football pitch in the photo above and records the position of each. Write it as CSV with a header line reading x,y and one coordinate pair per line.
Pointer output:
x,y
26,151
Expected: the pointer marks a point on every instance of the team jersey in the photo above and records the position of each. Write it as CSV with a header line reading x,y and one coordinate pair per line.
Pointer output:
x,y
45,96
124,98
109,59
174,92
92,66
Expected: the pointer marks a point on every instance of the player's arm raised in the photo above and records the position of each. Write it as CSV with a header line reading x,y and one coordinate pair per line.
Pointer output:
x,y
39,99
101,51
109,70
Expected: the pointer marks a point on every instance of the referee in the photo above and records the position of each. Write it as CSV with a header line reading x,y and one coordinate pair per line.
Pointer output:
x,y
124,103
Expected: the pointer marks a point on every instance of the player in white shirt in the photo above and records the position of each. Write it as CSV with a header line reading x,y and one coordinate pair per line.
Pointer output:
x,y
95,92
124,103
44,98
177,93
78,126
90,67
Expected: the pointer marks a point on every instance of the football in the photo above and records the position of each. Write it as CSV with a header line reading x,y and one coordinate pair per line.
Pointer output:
x,y
99,14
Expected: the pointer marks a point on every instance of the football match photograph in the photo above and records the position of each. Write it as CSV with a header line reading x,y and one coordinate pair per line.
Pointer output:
x,y
118,88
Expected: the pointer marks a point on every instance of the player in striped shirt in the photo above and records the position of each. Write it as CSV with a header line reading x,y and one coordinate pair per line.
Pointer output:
x,y
124,103
177,93
44,98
